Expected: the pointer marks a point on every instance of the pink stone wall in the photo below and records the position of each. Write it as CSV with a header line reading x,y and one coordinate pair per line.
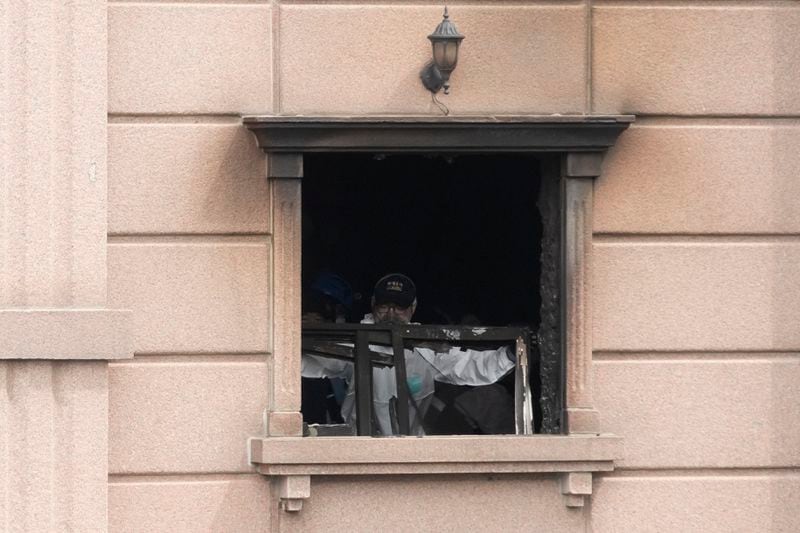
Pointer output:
x,y
189,252
696,224
696,279
56,330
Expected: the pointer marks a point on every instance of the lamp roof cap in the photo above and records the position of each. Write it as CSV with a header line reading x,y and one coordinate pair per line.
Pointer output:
x,y
445,29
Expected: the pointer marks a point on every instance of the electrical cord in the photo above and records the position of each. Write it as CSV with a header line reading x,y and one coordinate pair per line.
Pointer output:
x,y
443,108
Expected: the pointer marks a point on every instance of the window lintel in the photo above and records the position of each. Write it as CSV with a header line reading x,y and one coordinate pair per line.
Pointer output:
x,y
413,134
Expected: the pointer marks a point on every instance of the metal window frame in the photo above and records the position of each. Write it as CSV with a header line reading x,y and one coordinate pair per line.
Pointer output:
x,y
352,342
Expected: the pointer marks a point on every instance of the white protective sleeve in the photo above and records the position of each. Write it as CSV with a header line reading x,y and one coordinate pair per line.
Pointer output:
x,y
468,367
314,366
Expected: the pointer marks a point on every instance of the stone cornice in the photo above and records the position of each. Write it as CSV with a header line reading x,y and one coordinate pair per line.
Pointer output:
x,y
420,134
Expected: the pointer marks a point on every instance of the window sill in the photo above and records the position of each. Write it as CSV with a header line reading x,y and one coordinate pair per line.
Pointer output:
x,y
434,454
295,459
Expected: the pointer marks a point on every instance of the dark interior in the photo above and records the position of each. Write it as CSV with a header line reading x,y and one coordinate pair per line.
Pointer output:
x,y
465,228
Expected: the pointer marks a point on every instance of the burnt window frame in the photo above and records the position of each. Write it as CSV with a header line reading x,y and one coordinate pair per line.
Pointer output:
x,y
579,449
459,202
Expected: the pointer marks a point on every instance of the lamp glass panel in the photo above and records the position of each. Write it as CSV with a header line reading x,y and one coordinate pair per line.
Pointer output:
x,y
439,53
451,54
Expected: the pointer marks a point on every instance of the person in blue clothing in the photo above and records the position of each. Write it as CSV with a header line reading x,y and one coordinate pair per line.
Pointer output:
x,y
328,299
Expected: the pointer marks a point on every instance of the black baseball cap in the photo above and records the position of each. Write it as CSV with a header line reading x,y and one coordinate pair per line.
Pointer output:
x,y
396,289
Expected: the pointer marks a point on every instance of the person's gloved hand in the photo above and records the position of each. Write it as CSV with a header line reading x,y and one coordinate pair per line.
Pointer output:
x,y
414,383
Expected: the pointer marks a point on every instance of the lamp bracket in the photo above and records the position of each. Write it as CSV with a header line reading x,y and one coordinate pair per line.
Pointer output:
x,y
431,77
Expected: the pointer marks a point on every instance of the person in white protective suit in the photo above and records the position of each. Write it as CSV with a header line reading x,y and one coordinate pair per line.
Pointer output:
x,y
393,302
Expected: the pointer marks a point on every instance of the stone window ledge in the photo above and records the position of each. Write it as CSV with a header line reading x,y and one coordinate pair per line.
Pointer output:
x,y
434,454
294,459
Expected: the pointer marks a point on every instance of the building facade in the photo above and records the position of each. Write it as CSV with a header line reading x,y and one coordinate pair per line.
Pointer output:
x,y
149,300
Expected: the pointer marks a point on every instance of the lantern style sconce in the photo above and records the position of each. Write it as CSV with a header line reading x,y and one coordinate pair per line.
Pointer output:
x,y
445,41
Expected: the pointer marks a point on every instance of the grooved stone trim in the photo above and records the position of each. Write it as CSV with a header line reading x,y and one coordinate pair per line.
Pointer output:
x,y
53,437
577,286
285,197
66,334
53,178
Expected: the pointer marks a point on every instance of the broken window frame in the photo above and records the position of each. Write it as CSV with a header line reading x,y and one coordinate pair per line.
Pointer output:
x,y
352,342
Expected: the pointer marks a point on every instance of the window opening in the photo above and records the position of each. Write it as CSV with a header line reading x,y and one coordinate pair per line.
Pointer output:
x,y
466,228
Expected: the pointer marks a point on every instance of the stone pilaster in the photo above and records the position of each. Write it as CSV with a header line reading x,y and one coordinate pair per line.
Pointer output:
x,y
284,172
57,332
579,169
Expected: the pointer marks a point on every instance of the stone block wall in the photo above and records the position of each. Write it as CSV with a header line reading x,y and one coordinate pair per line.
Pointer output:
x,y
696,227
696,278
189,251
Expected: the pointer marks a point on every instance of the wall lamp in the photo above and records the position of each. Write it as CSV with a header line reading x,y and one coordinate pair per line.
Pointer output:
x,y
445,41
